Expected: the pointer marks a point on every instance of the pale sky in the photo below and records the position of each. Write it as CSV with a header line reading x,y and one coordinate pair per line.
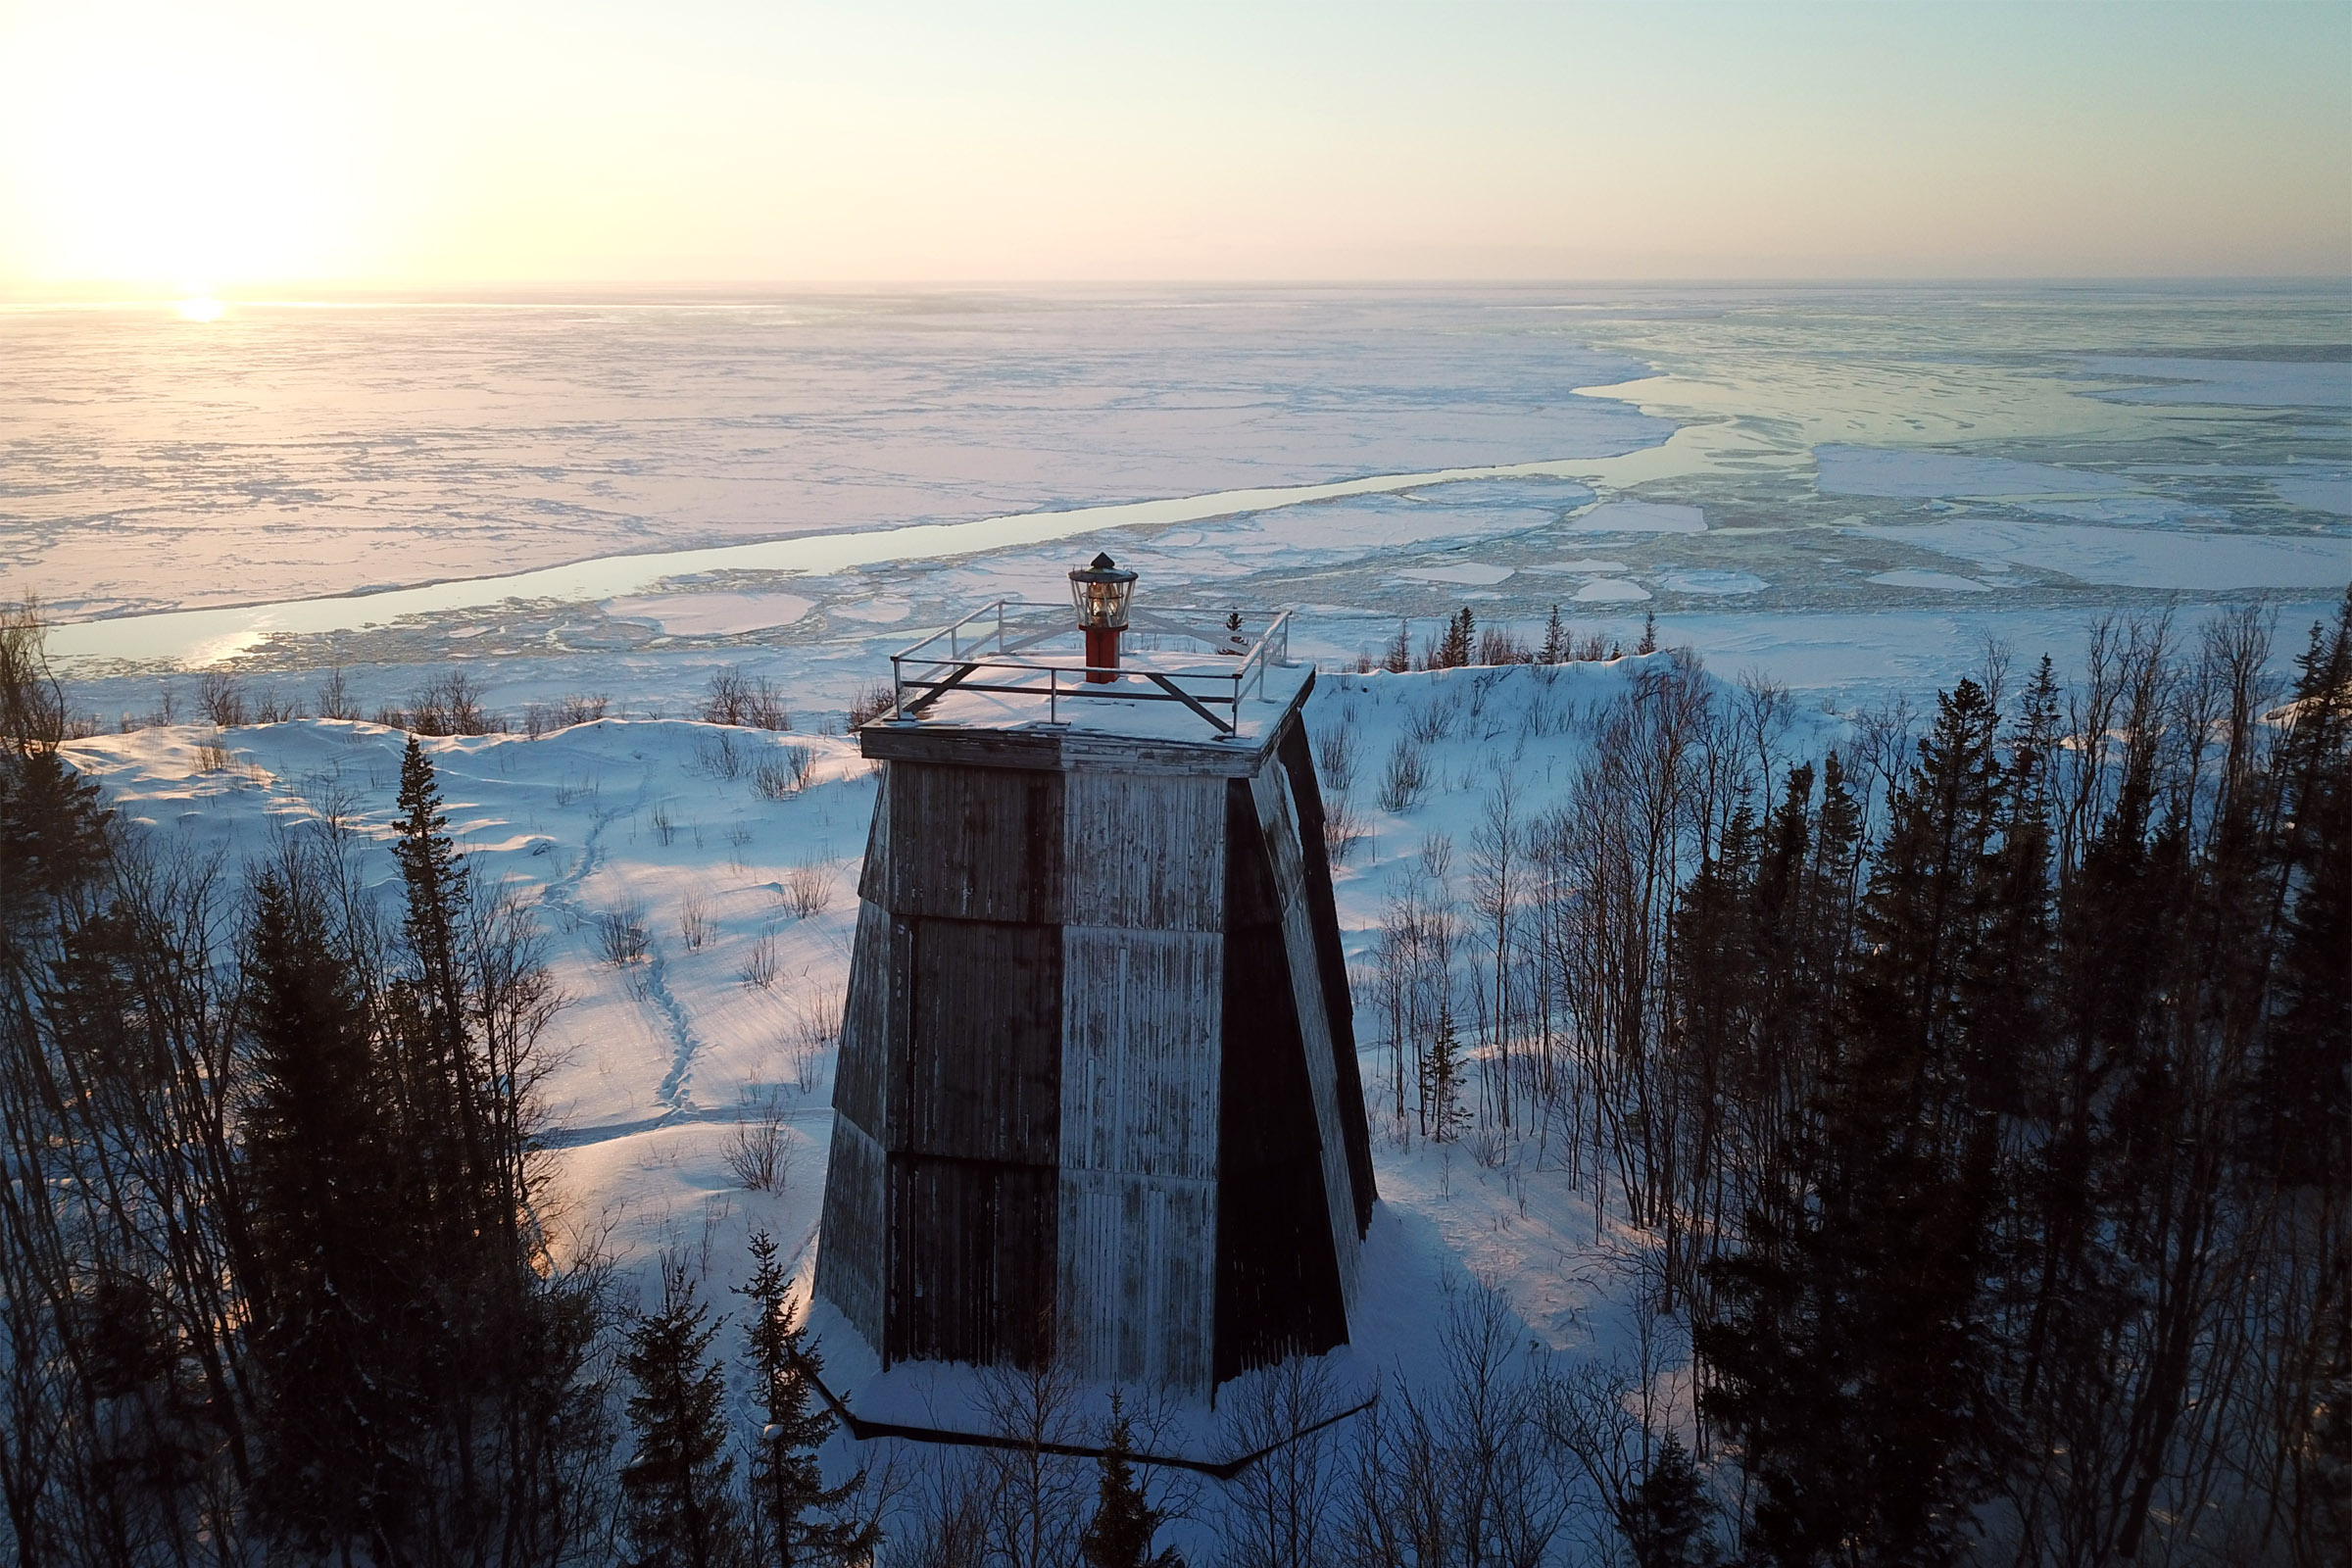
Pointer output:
x,y
241,147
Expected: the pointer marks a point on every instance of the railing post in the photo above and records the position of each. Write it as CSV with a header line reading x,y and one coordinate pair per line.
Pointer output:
x,y
1053,695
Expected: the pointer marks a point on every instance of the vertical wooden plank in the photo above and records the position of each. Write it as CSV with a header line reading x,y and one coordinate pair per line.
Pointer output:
x,y
873,874
1331,963
852,1256
984,1060
1137,1292
1143,851
975,842
972,1263
874,1022
1140,1071
1278,1288
1278,820
1141,1020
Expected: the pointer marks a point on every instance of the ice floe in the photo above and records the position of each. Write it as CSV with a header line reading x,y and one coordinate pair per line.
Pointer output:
x,y
1880,471
1949,582
1610,590
2133,559
1640,517
2319,493
1578,566
880,612
1693,580
715,615
2240,383
1475,575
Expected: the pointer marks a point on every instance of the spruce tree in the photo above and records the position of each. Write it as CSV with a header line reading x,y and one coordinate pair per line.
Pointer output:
x,y
434,880
1453,649
1119,1535
1399,656
796,1517
678,1499
1555,650
1442,1111
1666,1513
449,1127
2302,1111
1849,1356
325,1238
2001,977
1649,633
504,1344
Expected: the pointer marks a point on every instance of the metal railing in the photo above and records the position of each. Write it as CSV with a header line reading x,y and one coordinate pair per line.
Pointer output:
x,y
1011,648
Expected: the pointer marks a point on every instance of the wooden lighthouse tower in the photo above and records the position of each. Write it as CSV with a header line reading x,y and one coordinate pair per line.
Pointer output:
x,y
1098,1094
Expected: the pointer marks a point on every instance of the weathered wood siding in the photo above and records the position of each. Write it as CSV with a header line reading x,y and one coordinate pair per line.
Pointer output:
x,y
852,1259
1139,1151
1143,851
873,876
1141,1017
1331,958
1138,1286
975,842
1270,794
984,1053
874,1032
1278,1285
973,1248
1141,975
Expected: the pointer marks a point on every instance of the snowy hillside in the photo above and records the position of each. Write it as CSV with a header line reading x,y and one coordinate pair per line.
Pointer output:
x,y
729,896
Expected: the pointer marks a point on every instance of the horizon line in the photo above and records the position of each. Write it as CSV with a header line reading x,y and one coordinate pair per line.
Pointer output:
x,y
296,293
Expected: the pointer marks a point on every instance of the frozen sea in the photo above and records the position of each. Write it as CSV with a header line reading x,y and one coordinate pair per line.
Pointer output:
x,y
1844,487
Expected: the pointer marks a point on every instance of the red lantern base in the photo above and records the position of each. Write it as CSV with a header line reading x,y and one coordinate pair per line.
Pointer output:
x,y
1102,654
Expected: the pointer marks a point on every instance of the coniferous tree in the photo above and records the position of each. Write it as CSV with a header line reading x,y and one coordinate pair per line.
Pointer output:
x,y
796,1517
443,1080
1667,1512
2303,1091
1556,649
326,1259
1453,649
1649,633
1713,1028
502,1354
1441,1109
677,1499
53,831
1398,658
1119,1535
1847,1350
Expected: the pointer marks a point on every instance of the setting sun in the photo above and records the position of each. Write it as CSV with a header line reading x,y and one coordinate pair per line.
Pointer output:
x,y
200,307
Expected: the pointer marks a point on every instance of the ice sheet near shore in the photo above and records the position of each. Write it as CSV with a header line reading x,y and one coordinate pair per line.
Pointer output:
x,y
2175,560
289,451
1767,427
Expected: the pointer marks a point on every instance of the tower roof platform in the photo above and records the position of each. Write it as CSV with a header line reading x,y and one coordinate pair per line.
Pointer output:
x,y
1205,692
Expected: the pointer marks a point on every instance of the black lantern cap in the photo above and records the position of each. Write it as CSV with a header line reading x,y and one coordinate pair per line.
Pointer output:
x,y
1102,569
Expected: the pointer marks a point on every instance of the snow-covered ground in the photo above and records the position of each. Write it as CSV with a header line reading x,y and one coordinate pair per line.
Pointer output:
x,y
746,905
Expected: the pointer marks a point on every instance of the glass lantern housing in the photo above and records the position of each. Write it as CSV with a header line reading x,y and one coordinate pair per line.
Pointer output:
x,y
1102,590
